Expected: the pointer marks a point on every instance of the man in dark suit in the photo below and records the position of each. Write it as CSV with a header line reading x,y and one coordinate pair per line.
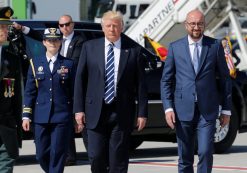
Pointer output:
x,y
48,103
10,98
190,95
110,77
70,48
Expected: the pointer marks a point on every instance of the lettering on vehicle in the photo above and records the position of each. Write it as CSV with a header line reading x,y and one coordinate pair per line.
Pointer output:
x,y
157,20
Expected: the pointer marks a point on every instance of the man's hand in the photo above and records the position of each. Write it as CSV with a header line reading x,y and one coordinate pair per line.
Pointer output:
x,y
80,121
170,119
26,124
224,120
17,26
141,123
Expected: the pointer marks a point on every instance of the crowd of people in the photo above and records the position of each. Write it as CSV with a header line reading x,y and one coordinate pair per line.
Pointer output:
x,y
91,86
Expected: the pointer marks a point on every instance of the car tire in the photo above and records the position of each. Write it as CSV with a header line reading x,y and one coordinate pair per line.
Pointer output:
x,y
224,144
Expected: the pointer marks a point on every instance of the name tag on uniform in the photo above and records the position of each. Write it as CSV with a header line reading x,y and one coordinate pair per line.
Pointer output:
x,y
40,70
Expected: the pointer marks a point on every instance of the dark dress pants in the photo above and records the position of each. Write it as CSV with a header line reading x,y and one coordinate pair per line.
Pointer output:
x,y
108,144
52,142
187,132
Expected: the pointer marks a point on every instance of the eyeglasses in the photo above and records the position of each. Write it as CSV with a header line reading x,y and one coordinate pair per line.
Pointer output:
x,y
64,24
193,24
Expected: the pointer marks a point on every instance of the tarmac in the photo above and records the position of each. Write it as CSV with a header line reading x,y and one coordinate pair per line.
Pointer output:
x,y
150,157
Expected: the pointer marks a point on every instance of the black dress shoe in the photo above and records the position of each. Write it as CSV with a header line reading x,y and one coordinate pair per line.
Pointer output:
x,y
70,162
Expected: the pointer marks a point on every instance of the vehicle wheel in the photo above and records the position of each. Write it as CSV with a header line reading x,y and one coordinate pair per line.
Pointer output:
x,y
134,143
224,137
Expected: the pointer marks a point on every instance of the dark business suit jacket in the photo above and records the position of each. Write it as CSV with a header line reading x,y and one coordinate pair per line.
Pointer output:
x,y
178,70
10,106
90,83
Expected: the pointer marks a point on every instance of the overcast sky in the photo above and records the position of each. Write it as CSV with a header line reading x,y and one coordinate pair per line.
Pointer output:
x,y
53,9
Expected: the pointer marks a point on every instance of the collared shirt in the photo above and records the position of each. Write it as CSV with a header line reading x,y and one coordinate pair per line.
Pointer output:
x,y
66,43
192,46
116,49
53,58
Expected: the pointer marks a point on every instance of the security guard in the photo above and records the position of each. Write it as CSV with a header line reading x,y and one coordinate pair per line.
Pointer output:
x,y
10,98
48,103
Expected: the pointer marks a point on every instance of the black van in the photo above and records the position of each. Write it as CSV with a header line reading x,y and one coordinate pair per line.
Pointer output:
x,y
156,129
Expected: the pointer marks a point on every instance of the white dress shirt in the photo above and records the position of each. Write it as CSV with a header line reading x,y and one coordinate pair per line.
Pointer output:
x,y
116,49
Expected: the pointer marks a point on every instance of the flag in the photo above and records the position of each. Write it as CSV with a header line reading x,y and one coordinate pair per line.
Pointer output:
x,y
155,47
226,43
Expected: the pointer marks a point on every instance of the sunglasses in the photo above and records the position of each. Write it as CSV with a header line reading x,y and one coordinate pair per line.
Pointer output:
x,y
64,24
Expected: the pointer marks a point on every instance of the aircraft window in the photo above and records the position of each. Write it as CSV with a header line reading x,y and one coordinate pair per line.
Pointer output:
x,y
102,8
121,8
132,11
142,8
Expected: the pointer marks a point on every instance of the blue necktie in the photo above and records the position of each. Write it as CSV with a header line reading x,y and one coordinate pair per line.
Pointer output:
x,y
109,76
196,58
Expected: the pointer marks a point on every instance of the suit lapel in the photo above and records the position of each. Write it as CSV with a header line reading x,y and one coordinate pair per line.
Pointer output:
x,y
100,53
124,55
187,56
45,65
71,45
203,53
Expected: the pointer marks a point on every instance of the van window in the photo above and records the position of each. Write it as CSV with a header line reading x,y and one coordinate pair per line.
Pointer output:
x,y
132,11
142,8
121,8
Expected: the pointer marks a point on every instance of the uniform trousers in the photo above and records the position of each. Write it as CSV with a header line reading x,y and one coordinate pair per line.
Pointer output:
x,y
52,142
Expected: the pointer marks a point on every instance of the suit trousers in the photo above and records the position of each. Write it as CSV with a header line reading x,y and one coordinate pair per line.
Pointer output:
x,y
52,141
6,162
187,132
108,144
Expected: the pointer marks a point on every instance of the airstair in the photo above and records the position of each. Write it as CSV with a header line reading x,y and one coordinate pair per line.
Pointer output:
x,y
163,21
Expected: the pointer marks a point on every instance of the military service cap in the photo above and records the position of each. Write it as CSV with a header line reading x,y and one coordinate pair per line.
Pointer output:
x,y
52,33
5,14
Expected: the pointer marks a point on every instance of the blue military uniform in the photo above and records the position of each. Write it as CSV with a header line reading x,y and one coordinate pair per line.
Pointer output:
x,y
48,104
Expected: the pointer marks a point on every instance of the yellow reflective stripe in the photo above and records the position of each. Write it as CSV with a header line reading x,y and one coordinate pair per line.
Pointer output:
x,y
36,81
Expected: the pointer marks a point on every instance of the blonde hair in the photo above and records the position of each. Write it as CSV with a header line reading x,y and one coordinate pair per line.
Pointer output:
x,y
112,15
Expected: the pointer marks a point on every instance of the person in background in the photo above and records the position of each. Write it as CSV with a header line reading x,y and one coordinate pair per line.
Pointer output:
x,y
190,93
48,100
110,78
70,48
10,97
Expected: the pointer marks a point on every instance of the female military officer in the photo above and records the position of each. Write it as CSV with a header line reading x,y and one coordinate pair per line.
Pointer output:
x,y
48,103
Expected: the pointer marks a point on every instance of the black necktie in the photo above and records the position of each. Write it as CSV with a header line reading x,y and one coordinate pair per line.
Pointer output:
x,y
50,65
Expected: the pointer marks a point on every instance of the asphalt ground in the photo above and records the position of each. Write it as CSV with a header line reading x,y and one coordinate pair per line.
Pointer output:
x,y
150,157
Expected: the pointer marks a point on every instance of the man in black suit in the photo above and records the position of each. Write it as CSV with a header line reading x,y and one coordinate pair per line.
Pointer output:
x,y
70,48
10,97
110,78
